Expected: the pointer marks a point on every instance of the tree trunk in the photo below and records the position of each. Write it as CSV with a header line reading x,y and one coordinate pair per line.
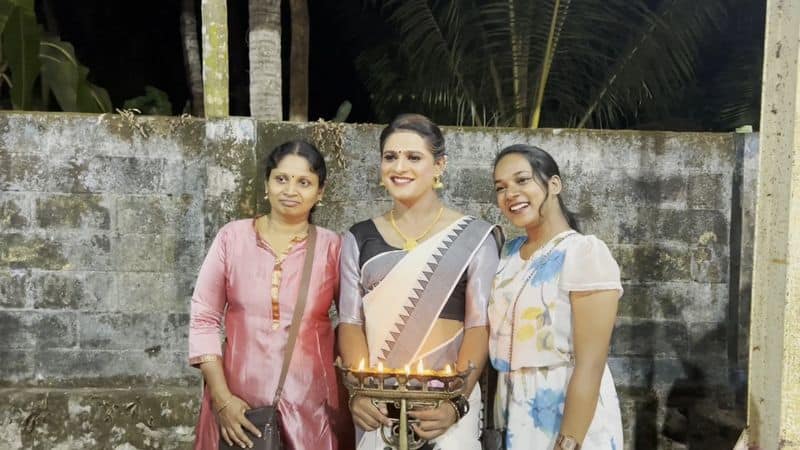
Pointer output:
x,y
266,99
215,58
298,62
191,56
519,68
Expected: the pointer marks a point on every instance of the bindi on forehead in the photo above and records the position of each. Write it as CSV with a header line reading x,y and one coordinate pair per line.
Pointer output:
x,y
292,176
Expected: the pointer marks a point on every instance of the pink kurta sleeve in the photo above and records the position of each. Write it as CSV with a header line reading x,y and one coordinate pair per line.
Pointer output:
x,y
208,304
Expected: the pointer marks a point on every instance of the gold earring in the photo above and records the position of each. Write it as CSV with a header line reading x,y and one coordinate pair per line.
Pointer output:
x,y
266,195
319,203
437,182
380,183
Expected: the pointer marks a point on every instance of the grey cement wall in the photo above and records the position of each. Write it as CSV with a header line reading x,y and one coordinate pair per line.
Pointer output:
x,y
104,222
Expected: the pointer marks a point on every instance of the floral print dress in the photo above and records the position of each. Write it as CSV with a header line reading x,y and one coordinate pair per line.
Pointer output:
x,y
530,344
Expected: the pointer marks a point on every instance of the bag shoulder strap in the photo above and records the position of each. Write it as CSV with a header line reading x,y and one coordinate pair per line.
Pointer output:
x,y
299,307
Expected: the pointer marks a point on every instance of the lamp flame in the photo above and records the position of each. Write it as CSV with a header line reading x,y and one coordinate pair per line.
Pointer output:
x,y
448,370
420,368
380,366
407,369
361,365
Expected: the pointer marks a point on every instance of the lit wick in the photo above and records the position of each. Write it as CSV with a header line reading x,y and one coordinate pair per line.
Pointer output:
x,y
361,365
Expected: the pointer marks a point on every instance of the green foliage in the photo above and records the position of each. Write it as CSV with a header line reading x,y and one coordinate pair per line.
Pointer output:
x,y
20,50
583,63
30,56
154,102
67,79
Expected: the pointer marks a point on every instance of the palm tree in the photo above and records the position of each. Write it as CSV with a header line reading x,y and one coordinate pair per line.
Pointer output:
x,y
191,56
215,58
298,61
265,59
531,63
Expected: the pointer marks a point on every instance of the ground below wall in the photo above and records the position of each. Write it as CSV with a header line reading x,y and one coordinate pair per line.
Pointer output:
x,y
164,418
88,418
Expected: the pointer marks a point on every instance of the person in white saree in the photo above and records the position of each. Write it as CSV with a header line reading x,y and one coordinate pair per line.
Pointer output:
x,y
415,283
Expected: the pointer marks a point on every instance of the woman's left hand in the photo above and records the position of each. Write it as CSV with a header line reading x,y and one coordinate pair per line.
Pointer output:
x,y
434,422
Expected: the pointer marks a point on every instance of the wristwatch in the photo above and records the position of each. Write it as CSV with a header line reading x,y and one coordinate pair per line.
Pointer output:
x,y
567,443
461,405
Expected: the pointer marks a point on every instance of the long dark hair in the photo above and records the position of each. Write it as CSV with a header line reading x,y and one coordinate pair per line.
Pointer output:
x,y
544,167
316,162
421,125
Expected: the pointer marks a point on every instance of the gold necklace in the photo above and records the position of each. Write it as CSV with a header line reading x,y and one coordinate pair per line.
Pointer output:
x,y
412,242
266,230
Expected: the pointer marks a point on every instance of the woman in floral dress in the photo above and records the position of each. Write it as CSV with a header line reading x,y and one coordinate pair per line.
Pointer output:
x,y
551,316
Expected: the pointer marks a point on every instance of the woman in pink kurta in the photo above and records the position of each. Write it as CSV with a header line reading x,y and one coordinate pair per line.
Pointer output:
x,y
249,283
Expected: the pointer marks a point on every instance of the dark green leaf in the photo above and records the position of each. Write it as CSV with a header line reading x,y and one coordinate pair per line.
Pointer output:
x,y
60,72
91,98
26,5
153,102
67,79
21,51
6,8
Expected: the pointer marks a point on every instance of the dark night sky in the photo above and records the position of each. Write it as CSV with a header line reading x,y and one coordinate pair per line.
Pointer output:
x,y
128,45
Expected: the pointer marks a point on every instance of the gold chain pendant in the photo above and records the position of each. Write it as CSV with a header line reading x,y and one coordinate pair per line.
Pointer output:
x,y
411,243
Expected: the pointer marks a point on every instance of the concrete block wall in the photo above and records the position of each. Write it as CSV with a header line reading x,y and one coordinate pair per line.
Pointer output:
x,y
105,220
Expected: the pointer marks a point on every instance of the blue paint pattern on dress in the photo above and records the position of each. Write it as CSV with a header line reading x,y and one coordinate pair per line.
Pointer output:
x,y
514,245
501,365
509,436
547,409
548,269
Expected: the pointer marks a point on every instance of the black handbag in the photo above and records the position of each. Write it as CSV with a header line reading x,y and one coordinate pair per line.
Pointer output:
x,y
493,439
267,418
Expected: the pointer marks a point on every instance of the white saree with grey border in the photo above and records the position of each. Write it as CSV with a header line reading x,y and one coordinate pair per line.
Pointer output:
x,y
402,308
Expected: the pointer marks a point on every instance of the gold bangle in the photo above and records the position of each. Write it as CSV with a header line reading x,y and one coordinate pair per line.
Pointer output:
x,y
225,405
350,401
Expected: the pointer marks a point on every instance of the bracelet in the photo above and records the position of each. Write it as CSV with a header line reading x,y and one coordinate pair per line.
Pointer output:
x,y
350,401
564,442
460,404
225,405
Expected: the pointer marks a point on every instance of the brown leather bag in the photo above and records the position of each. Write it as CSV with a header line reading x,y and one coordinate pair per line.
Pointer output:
x,y
267,418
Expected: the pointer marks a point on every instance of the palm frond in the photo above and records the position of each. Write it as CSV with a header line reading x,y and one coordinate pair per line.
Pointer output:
x,y
609,63
656,63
